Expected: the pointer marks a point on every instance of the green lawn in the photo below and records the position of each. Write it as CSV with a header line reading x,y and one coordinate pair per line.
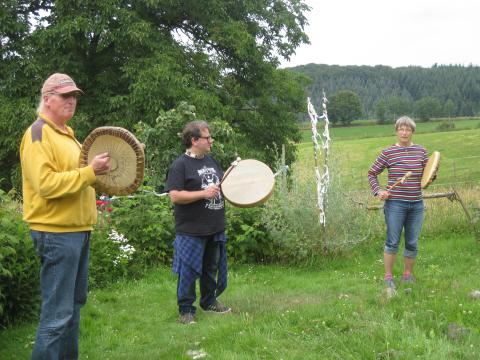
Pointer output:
x,y
334,310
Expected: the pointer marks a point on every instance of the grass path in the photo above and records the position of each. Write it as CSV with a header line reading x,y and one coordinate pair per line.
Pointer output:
x,y
334,310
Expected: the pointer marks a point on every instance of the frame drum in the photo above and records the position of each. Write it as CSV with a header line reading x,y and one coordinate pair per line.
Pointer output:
x,y
127,159
431,169
248,184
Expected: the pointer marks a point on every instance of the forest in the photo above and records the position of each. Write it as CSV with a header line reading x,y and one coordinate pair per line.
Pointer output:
x,y
449,90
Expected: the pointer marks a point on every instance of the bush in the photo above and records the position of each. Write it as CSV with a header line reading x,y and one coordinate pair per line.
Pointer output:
x,y
248,237
135,235
19,266
163,141
15,116
445,125
147,221
292,220
111,257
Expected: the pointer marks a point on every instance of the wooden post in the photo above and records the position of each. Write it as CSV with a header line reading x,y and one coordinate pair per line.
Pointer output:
x,y
457,197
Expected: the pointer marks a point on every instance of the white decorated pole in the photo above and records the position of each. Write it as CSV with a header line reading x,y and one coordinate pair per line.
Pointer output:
x,y
322,179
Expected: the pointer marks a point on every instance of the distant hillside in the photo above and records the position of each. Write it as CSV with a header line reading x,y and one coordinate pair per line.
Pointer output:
x,y
458,83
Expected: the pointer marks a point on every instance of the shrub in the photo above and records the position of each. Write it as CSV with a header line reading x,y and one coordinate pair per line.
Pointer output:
x,y
163,141
445,125
292,220
19,266
147,221
133,234
248,237
111,256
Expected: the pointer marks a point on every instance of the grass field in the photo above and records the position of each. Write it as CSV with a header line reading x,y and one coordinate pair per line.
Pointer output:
x,y
373,130
333,310
460,151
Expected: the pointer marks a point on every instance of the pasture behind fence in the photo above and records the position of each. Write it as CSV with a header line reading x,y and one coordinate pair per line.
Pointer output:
x,y
453,172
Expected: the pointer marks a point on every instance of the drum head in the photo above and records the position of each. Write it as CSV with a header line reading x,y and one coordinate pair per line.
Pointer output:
x,y
248,184
127,159
430,169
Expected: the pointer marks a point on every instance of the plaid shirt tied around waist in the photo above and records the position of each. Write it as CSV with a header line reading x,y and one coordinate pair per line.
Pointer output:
x,y
189,252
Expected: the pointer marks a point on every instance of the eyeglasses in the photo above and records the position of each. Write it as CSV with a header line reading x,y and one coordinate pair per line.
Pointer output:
x,y
208,138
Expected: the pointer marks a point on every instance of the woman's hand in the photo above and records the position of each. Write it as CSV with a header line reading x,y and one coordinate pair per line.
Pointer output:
x,y
383,195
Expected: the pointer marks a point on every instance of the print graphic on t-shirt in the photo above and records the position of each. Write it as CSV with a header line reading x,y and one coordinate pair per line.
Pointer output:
x,y
209,177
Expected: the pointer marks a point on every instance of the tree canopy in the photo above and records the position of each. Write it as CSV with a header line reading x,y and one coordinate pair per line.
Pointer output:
x,y
427,107
137,59
344,107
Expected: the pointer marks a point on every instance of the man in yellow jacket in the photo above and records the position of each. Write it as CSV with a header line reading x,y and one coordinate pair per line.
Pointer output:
x,y
59,206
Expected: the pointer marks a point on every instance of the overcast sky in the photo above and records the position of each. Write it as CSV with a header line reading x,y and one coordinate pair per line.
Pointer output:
x,y
391,32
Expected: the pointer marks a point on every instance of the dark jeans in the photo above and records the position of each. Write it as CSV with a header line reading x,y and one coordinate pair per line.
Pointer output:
x,y
186,294
63,282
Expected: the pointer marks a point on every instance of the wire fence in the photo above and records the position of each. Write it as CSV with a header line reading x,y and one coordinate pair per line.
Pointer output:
x,y
461,171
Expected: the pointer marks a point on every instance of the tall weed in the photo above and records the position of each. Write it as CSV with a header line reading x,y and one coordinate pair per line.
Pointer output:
x,y
292,219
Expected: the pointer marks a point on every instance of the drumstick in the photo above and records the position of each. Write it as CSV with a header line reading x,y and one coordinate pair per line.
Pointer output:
x,y
400,180
235,163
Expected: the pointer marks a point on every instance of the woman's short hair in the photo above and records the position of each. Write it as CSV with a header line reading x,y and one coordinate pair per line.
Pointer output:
x,y
193,130
405,121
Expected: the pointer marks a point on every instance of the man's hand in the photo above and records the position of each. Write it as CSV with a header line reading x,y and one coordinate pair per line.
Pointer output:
x,y
100,164
211,191
383,195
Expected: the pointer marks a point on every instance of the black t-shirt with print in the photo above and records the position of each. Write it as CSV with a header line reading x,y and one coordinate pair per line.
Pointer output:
x,y
205,216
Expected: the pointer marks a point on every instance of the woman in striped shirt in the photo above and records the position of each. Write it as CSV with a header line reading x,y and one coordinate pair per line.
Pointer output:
x,y
403,203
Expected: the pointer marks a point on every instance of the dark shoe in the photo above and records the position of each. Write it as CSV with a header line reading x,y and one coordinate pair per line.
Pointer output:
x,y
218,308
187,319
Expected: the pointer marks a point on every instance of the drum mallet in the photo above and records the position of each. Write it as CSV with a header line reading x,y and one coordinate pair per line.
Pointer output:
x,y
400,180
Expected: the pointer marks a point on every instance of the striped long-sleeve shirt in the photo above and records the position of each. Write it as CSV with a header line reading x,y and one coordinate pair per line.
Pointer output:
x,y
399,160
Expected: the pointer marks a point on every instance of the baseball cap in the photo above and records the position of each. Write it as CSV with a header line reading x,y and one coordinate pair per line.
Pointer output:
x,y
60,84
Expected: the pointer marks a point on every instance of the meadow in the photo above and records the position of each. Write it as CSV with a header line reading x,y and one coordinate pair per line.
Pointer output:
x,y
460,155
367,129
331,307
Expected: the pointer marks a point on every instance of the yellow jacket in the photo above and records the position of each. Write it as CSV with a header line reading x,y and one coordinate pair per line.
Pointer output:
x,y
57,194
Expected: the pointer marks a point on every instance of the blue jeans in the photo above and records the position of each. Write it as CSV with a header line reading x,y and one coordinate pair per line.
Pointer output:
x,y
186,294
63,282
401,215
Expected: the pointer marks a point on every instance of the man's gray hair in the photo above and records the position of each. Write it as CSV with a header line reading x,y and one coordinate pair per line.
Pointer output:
x,y
405,121
40,105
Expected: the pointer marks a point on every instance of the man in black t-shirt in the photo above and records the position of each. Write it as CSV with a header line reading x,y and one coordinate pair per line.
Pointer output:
x,y
193,183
